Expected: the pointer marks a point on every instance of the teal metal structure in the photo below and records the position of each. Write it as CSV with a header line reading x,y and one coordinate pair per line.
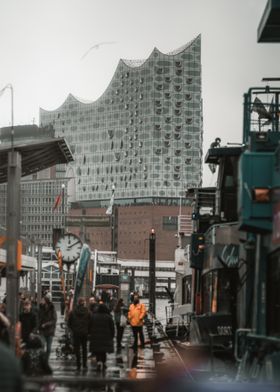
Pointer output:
x,y
259,182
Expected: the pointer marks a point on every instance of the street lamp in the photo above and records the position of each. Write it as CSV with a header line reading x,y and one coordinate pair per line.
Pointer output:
x,y
9,86
113,219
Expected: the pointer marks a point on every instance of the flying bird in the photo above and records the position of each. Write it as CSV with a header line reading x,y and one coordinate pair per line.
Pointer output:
x,y
97,46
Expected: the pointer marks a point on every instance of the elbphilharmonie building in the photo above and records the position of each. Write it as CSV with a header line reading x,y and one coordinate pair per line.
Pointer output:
x,y
143,135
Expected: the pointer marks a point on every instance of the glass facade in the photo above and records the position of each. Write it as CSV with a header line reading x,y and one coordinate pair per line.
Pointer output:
x,y
144,134
38,216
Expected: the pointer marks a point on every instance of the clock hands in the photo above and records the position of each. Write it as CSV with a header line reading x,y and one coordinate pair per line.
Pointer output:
x,y
75,243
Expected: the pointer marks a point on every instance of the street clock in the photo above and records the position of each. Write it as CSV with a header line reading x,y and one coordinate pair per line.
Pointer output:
x,y
70,247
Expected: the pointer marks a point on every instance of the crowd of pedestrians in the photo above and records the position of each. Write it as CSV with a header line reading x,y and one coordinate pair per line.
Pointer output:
x,y
93,325
100,323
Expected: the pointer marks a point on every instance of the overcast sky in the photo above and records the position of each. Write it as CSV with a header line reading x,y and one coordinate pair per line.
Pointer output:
x,y
42,42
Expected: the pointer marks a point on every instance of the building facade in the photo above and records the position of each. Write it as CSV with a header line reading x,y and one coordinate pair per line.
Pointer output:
x,y
143,135
132,227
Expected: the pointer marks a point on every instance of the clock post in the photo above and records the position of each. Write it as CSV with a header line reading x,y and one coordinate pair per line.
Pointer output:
x,y
68,247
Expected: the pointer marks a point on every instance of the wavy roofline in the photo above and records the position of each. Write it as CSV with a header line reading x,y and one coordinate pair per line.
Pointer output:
x,y
173,53
181,49
69,96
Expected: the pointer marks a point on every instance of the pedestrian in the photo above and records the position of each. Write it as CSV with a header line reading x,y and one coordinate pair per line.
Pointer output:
x,y
78,322
21,299
105,297
34,306
120,316
47,322
28,321
131,297
102,332
4,325
10,373
93,305
136,314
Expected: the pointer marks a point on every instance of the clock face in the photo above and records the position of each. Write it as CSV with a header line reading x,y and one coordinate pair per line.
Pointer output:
x,y
70,247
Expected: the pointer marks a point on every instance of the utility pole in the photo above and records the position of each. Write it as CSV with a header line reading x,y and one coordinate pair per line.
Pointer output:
x,y
39,274
152,271
13,235
113,219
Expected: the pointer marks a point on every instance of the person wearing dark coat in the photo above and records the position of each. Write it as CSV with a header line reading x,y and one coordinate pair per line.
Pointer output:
x,y
78,322
93,305
4,325
102,333
28,322
47,322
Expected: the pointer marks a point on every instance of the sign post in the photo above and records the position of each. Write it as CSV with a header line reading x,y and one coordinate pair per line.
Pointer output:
x,y
152,271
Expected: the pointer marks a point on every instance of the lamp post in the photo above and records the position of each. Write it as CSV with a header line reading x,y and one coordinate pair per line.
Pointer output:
x,y
152,271
113,217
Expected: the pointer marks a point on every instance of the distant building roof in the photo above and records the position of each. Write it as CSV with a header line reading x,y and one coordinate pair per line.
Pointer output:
x,y
26,132
37,155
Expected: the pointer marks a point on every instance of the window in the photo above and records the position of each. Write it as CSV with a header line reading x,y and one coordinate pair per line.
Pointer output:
x,y
170,223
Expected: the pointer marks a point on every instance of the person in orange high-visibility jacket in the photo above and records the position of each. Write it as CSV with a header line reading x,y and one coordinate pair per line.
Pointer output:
x,y
135,316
